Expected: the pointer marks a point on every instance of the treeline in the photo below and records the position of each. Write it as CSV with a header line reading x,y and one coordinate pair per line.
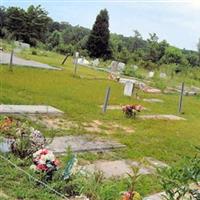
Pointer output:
x,y
35,27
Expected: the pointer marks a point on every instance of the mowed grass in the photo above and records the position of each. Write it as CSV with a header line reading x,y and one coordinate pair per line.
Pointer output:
x,y
80,98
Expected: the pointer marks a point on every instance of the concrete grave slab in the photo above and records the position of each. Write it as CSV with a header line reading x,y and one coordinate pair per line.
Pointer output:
x,y
120,168
161,117
153,100
5,59
82,144
28,109
155,163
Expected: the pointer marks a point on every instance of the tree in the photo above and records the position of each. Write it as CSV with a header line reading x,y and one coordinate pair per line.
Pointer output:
x,y
138,42
98,42
16,22
198,47
2,19
37,23
54,39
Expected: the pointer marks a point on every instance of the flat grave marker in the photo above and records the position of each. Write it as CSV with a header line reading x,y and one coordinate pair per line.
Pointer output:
x,y
82,143
28,109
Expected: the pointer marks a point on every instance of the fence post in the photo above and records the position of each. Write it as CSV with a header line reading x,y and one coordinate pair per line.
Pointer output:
x,y
11,60
181,98
106,100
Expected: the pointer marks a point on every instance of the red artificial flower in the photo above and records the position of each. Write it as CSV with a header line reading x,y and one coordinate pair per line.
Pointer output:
x,y
41,167
44,152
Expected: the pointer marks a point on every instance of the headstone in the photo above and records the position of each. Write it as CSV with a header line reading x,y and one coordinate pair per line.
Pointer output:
x,y
95,62
120,66
128,88
22,45
163,75
151,74
135,67
113,66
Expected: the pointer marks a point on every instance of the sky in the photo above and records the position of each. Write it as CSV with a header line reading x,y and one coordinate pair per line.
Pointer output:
x,y
177,21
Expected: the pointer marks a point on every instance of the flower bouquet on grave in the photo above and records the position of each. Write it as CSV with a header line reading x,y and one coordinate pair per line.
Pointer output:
x,y
45,162
131,194
131,110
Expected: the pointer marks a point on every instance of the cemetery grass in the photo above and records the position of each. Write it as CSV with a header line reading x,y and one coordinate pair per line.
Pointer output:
x,y
80,97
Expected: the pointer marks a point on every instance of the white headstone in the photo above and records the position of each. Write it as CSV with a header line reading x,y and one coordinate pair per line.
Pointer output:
x,y
128,88
151,74
121,66
113,66
135,67
163,75
76,54
95,62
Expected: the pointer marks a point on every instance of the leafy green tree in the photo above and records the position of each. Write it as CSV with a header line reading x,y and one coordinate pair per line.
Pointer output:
x,y
2,19
172,55
98,42
16,22
54,39
198,47
37,23
138,42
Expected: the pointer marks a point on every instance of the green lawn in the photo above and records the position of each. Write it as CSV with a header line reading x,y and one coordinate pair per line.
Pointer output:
x,y
79,97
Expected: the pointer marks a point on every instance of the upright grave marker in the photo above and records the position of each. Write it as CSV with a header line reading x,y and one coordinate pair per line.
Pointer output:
x,y
76,55
181,99
106,100
128,88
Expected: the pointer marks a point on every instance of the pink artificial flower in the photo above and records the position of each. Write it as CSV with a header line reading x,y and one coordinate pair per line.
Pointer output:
x,y
56,162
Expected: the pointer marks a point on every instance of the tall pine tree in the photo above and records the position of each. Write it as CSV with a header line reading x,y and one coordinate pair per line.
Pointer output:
x,y
98,41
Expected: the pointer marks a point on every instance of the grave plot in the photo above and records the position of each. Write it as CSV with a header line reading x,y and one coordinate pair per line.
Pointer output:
x,y
113,107
153,100
29,109
54,122
97,126
5,59
161,117
120,168
82,143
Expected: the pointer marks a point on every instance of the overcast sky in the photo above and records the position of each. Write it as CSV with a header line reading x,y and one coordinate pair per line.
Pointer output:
x,y
177,21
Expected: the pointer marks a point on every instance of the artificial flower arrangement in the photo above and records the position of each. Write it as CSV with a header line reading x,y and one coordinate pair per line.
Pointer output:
x,y
45,162
133,178
131,110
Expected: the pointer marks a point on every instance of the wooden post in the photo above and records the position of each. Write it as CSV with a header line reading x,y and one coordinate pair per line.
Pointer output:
x,y
11,60
106,100
63,62
181,99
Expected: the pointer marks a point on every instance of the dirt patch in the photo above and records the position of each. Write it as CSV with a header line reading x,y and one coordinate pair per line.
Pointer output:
x,y
108,128
52,122
3,195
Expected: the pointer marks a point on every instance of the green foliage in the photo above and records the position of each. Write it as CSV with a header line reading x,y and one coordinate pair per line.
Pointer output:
x,y
98,42
176,181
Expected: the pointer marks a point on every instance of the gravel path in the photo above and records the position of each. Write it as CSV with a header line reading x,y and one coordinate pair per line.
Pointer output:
x,y
5,59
